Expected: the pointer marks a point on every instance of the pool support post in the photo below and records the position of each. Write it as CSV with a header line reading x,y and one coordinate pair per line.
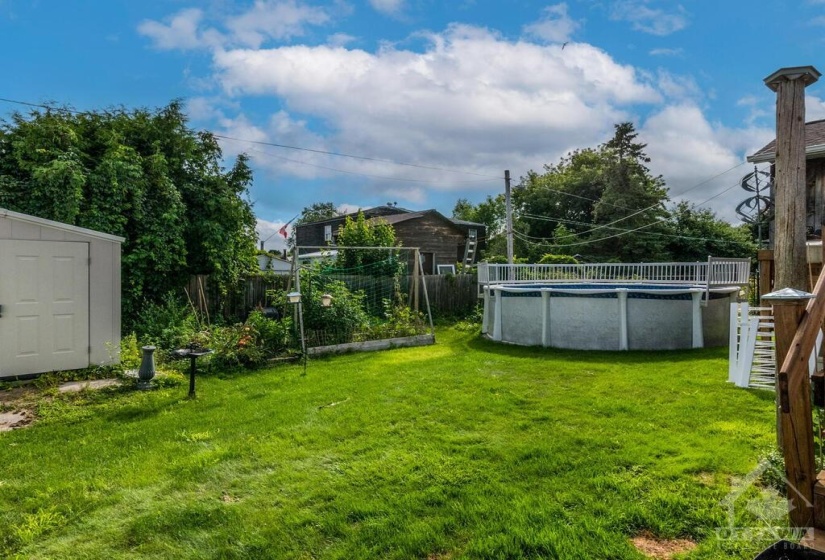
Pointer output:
x,y
621,296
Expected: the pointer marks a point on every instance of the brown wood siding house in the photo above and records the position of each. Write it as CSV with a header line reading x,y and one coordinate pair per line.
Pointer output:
x,y
325,232
440,239
815,198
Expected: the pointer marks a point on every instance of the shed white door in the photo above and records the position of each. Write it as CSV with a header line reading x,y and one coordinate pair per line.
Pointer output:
x,y
44,294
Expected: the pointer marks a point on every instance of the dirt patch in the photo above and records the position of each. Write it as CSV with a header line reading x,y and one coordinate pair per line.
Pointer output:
x,y
17,419
18,403
8,396
705,478
661,549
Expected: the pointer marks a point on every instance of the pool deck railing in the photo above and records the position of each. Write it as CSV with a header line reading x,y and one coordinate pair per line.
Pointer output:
x,y
717,271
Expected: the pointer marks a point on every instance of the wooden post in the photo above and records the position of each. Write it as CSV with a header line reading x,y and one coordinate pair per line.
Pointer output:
x,y
416,278
508,211
795,423
766,271
789,241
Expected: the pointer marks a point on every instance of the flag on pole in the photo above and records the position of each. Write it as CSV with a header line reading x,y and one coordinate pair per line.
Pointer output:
x,y
282,231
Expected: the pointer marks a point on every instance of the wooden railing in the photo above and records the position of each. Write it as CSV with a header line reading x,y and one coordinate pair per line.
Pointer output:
x,y
797,329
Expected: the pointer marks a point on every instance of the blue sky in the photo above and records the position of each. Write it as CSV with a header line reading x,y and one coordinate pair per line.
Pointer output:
x,y
460,89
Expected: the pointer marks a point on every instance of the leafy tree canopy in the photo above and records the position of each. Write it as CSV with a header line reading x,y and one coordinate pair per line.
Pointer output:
x,y
604,204
490,212
316,212
695,233
140,174
360,232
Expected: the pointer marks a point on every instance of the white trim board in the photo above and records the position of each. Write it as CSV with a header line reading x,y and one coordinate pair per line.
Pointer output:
x,y
4,213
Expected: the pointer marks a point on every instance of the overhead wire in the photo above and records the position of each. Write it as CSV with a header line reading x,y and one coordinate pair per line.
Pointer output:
x,y
528,238
286,146
368,175
433,168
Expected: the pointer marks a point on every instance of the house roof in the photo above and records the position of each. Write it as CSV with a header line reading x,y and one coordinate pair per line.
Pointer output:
x,y
466,223
58,225
398,218
814,144
366,211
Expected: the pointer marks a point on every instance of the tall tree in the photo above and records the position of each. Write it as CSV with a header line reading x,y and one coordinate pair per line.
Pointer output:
x,y
316,212
633,200
143,175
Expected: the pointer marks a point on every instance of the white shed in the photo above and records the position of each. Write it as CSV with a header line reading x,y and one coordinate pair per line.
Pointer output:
x,y
59,296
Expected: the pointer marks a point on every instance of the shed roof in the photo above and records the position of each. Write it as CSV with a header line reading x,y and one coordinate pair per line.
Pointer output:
x,y
814,144
4,213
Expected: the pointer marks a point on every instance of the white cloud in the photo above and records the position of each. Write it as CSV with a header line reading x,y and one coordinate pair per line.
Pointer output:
x,y
758,108
676,86
180,31
555,25
347,208
274,19
278,20
471,101
666,52
687,150
814,108
656,21
340,40
388,7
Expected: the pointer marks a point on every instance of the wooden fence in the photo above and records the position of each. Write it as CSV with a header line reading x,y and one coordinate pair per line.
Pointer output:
x,y
249,294
449,295
452,295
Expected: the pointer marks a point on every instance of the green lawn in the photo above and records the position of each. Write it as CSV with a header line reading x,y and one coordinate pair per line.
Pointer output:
x,y
465,449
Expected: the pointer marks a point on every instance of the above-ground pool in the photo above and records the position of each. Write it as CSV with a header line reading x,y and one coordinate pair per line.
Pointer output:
x,y
608,316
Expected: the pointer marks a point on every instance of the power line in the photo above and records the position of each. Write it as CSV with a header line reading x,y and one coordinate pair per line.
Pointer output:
x,y
283,146
363,158
591,241
384,177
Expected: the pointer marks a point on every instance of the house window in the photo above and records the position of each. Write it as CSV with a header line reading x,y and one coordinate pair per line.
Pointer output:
x,y
327,233
473,233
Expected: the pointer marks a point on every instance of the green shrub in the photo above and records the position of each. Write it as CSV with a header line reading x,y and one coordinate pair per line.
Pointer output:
x,y
169,324
550,258
236,346
500,259
249,344
274,337
130,354
338,323
398,320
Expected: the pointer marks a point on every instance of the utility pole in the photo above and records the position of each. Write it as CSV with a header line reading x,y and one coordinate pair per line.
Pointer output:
x,y
508,209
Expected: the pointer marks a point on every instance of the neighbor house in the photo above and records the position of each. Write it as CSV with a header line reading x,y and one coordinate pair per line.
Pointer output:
x,y
441,240
272,263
